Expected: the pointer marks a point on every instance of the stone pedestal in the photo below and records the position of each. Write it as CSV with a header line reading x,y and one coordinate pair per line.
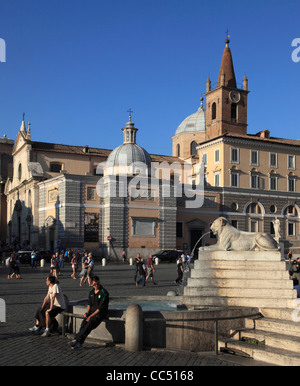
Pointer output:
x,y
239,278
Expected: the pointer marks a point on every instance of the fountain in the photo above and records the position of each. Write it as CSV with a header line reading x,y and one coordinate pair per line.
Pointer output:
x,y
191,324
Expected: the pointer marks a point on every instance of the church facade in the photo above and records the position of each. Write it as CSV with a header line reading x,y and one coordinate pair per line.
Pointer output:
x,y
63,196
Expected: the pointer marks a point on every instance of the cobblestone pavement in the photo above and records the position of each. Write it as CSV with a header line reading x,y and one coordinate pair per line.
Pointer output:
x,y
20,347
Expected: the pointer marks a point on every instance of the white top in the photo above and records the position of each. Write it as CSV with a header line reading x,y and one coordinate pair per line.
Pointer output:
x,y
59,300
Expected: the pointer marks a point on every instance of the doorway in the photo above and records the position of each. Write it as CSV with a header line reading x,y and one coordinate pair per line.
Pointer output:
x,y
195,236
51,238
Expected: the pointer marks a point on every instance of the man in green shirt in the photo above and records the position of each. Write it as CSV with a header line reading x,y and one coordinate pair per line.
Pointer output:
x,y
97,310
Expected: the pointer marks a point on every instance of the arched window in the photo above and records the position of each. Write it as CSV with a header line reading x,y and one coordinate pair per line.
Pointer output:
x,y
253,208
233,111
29,204
213,111
193,148
178,150
291,210
20,172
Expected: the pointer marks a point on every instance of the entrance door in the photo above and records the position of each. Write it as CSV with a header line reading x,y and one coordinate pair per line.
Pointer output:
x,y
195,236
51,239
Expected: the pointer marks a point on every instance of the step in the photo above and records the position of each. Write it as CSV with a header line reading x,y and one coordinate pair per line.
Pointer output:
x,y
239,283
241,292
291,314
234,255
240,274
210,301
274,325
241,265
270,339
263,353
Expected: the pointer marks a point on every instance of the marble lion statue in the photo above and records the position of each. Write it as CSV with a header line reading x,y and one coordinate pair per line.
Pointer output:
x,y
232,239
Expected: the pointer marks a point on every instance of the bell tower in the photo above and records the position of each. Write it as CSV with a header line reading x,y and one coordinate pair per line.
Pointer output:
x,y
226,105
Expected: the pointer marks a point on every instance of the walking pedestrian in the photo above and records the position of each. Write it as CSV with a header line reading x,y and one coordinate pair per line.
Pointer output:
x,y
179,272
90,269
74,266
188,262
84,268
53,265
124,256
183,261
137,260
96,311
150,269
13,267
33,259
61,261
142,273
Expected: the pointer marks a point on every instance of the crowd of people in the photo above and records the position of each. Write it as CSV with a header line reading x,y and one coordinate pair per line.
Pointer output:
x,y
78,260
82,264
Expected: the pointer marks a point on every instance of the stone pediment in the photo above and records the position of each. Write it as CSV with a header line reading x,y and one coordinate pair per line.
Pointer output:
x,y
21,140
50,221
196,223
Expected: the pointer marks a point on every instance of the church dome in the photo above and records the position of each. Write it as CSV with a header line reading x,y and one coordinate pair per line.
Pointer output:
x,y
129,152
194,122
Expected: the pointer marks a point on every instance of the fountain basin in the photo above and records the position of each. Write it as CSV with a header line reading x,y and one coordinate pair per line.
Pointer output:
x,y
178,328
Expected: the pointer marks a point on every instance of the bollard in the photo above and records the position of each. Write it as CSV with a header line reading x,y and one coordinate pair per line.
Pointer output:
x,y
156,261
42,263
131,261
103,262
134,328
7,262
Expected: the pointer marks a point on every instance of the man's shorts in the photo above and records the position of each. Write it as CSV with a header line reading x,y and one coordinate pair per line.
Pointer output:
x,y
150,272
55,311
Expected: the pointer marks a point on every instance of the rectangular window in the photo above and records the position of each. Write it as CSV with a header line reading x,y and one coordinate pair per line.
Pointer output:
x,y
291,162
234,155
143,227
291,184
234,179
179,229
204,159
273,160
254,157
55,167
273,183
91,227
254,226
291,228
217,179
217,155
254,181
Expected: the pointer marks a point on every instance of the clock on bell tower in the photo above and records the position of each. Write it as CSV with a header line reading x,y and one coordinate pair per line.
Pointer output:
x,y
226,105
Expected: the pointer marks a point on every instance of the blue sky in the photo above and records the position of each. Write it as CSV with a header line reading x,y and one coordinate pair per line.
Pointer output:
x,y
76,66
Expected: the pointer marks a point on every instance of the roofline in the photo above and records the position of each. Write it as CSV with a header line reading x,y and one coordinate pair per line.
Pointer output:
x,y
254,137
